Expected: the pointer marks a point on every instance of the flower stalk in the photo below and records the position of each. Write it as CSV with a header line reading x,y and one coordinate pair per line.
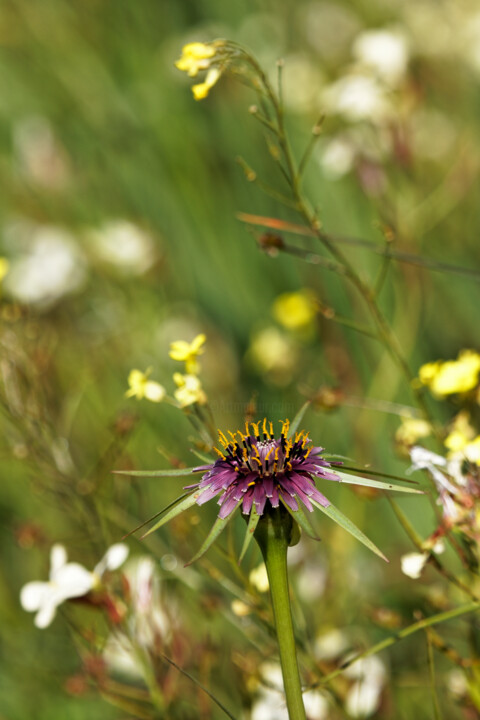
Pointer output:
x,y
275,532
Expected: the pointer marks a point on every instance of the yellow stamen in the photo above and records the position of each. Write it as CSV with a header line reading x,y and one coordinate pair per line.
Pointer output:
x,y
219,452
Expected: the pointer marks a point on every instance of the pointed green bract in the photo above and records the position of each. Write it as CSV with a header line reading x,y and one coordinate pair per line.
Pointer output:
x,y
252,524
367,482
301,518
349,526
177,472
298,419
184,505
217,528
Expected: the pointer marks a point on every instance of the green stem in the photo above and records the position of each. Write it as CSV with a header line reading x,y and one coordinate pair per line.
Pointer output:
x,y
273,534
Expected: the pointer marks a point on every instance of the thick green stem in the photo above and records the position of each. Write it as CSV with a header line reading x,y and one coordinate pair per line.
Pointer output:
x,y
273,534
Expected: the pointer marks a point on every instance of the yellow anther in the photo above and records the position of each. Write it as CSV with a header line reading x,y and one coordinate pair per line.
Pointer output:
x,y
257,460
222,438
271,429
267,456
219,452
247,431
264,426
308,452
256,430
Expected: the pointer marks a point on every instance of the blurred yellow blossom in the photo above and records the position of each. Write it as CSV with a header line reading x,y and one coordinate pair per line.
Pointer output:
x,y
272,352
189,390
461,432
141,387
196,56
187,352
452,376
295,310
411,430
259,578
4,267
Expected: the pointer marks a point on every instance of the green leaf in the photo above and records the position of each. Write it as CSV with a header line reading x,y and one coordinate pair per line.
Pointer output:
x,y
187,502
341,519
367,482
217,528
302,519
177,472
298,418
251,527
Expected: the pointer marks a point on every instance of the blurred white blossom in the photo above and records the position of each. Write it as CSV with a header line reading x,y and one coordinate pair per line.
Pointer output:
x,y
357,97
66,580
123,245
363,697
49,266
385,52
39,156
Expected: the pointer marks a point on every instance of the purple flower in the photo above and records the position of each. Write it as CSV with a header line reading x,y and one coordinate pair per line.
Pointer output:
x,y
257,468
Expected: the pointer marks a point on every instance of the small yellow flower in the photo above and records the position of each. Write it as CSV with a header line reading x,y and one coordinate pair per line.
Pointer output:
x,y
201,90
196,56
189,390
4,267
411,430
295,310
461,432
188,352
141,387
453,376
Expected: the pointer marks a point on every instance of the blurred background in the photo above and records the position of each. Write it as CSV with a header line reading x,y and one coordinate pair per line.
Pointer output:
x,y
119,235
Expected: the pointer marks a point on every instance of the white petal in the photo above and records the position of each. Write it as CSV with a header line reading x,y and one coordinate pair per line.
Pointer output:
x,y
154,391
422,458
413,564
113,558
48,610
34,594
58,558
73,580
362,699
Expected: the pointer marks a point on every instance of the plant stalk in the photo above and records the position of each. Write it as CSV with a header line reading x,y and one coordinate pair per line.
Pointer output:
x,y
274,534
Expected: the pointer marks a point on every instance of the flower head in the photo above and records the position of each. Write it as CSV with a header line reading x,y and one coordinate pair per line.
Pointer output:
x,y
452,376
66,580
188,352
196,56
295,310
141,387
257,468
199,56
189,390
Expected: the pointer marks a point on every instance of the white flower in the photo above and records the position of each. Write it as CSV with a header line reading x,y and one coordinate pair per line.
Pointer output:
x,y
53,266
316,705
337,158
357,97
383,51
66,580
124,245
413,564
364,696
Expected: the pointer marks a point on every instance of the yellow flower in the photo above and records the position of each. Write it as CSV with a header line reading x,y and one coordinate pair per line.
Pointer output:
x,y
461,432
188,352
4,267
411,430
295,310
453,376
196,56
189,390
201,90
141,387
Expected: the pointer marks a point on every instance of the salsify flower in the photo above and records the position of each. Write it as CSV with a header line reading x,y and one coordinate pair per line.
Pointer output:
x,y
259,468
264,474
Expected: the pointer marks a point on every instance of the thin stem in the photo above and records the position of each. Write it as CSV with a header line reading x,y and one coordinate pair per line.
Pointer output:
x,y
273,536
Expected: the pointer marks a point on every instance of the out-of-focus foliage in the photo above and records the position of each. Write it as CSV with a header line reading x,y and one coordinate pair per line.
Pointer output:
x,y
119,235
